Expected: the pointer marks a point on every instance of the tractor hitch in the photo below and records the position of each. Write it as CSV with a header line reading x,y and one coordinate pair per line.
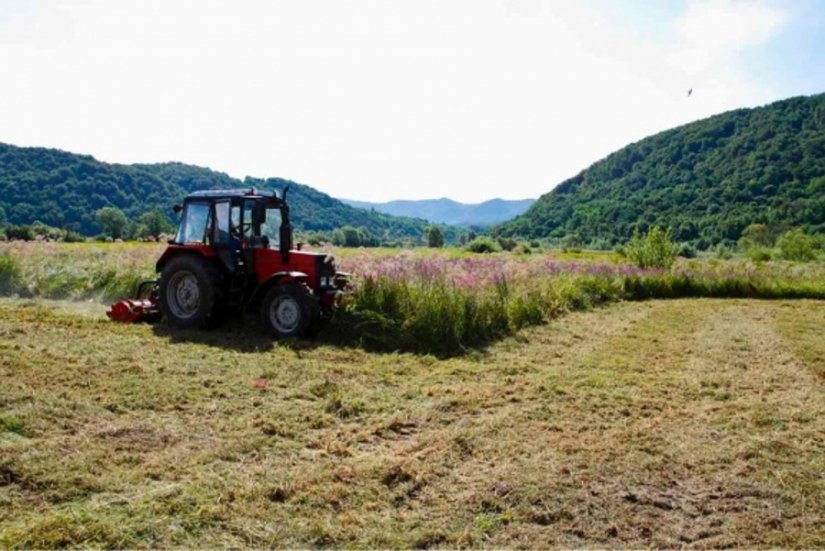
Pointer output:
x,y
141,308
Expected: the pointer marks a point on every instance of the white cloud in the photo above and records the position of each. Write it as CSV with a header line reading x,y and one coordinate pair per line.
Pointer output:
x,y
713,31
724,24
374,99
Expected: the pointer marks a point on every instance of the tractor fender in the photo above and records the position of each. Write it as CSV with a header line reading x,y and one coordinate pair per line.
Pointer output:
x,y
174,250
275,279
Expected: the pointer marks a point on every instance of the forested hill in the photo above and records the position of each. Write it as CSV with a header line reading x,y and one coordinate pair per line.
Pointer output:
x,y
707,180
65,190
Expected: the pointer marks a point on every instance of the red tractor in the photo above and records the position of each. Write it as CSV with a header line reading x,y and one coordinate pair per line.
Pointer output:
x,y
233,250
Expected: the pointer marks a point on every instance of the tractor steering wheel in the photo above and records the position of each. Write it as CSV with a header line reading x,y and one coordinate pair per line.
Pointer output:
x,y
238,231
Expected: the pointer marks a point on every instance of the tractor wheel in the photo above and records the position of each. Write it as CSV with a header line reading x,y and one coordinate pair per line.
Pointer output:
x,y
288,310
188,292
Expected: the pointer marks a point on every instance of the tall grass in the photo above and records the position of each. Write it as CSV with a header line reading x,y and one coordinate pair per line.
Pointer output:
x,y
77,271
432,303
443,318
9,274
445,306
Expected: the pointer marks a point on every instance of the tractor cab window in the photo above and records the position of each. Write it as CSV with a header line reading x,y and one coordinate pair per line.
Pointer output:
x,y
222,225
271,228
235,220
193,223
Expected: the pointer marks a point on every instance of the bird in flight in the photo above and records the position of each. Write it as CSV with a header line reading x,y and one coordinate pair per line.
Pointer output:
x,y
690,92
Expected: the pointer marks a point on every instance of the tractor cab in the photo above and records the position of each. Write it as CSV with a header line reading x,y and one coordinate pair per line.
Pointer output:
x,y
233,223
233,250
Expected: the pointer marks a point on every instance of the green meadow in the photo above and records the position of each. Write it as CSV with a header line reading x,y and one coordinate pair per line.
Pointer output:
x,y
616,414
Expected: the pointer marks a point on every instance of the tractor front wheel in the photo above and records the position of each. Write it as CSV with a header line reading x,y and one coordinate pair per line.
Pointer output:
x,y
188,292
288,310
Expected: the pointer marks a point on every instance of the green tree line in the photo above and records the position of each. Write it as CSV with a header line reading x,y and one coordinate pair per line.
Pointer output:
x,y
68,191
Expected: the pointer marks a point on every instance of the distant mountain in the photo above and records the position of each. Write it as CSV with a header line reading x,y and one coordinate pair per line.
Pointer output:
x,y
447,211
707,180
64,190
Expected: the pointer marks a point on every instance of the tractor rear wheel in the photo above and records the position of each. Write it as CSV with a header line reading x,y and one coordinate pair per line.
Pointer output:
x,y
288,310
188,292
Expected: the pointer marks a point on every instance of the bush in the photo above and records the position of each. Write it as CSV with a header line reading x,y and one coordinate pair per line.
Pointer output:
x,y
759,254
354,237
723,251
140,232
686,250
797,245
756,235
507,243
317,238
482,245
571,243
523,248
9,275
600,244
73,237
23,233
654,250
39,229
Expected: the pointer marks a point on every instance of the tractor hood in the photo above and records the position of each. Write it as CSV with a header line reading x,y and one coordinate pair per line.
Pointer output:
x,y
315,265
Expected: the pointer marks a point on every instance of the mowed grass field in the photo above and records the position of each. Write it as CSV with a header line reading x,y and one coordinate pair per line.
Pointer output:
x,y
665,423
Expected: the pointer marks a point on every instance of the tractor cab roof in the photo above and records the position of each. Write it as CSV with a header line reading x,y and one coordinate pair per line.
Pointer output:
x,y
270,199
250,193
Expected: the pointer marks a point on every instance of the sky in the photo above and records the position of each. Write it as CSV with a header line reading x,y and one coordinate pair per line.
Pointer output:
x,y
391,99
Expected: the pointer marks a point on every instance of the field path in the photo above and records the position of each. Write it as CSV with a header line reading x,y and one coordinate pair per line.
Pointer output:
x,y
684,423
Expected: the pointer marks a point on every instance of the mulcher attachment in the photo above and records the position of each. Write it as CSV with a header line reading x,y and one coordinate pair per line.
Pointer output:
x,y
137,309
